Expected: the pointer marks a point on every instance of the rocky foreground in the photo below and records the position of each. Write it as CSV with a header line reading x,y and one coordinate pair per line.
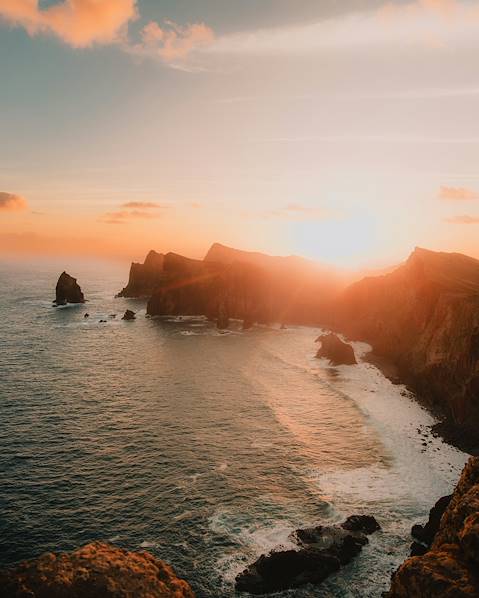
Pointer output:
x,y
93,571
424,318
450,569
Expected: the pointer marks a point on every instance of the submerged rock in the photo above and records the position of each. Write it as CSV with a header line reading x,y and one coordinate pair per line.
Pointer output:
x,y
322,551
450,568
129,315
334,349
95,570
68,290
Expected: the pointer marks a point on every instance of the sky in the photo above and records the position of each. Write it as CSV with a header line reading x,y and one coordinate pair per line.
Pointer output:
x,y
344,131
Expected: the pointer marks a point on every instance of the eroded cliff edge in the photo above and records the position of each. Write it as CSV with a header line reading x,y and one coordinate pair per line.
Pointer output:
x,y
451,567
424,316
94,570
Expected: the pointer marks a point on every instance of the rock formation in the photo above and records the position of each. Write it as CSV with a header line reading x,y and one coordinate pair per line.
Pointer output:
x,y
68,290
451,567
95,570
144,278
129,315
424,316
334,349
424,535
322,551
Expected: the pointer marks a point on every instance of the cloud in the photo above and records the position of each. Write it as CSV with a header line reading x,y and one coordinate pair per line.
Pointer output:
x,y
12,203
464,219
427,23
79,23
172,43
123,216
457,193
143,205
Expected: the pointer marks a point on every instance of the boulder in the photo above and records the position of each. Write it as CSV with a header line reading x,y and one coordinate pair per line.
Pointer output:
x,y
334,349
366,524
68,290
322,550
129,315
95,570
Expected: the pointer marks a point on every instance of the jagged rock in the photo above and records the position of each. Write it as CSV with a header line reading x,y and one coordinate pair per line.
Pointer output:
x,y
450,568
86,316
334,349
424,317
93,571
68,290
129,315
145,278
366,524
424,534
322,551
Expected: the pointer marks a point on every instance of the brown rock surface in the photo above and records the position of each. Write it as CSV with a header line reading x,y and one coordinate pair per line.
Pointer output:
x,y
68,290
450,569
424,316
93,571
334,349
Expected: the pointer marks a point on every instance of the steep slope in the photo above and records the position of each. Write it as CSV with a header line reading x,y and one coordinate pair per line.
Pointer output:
x,y
144,278
451,567
425,317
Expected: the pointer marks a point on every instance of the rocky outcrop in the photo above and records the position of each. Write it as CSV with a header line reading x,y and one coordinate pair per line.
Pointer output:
x,y
145,278
129,315
322,550
334,349
424,316
451,567
92,571
424,534
68,290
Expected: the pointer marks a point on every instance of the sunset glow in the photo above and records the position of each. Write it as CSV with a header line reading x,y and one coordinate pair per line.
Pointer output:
x,y
345,134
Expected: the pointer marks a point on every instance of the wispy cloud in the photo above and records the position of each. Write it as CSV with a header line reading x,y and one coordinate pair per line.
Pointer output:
x,y
78,23
123,216
457,194
464,219
144,205
10,202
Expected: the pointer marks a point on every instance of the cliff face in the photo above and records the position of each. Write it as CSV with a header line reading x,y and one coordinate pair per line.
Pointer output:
x,y
425,317
144,278
451,567
92,571
251,286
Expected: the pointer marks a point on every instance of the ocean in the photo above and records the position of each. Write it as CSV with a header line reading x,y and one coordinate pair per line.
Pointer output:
x,y
205,449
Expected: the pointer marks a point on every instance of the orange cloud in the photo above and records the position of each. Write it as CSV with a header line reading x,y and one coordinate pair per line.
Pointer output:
x,y
457,193
173,42
11,202
79,23
464,219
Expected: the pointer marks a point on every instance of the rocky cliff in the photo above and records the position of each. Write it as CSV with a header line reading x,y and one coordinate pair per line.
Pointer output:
x,y
451,568
251,286
424,316
144,278
68,290
92,571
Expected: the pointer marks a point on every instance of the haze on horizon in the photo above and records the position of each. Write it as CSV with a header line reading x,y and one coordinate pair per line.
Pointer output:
x,y
344,132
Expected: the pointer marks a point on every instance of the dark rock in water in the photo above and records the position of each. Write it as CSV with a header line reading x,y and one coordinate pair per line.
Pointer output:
x,y
425,534
450,567
102,321
129,315
112,316
93,571
86,316
68,290
361,523
322,551
334,349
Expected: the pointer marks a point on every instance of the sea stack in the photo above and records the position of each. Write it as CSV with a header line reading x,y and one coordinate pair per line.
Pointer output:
x,y
68,290
334,349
